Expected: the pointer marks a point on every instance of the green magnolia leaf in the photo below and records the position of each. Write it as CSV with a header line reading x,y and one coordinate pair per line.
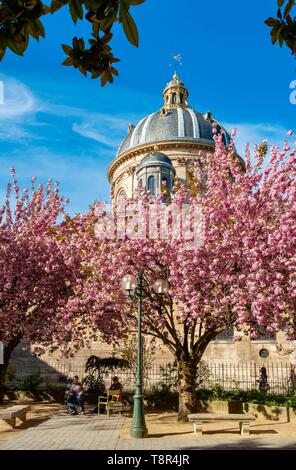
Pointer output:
x,y
2,54
95,28
68,61
104,78
67,49
130,29
271,21
95,74
281,40
3,39
40,28
275,32
136,2
45,9
33,30
57,4
76,10
18,47
108,21
114,71
81,44
124,7
75,42
83,71
288,8
281,2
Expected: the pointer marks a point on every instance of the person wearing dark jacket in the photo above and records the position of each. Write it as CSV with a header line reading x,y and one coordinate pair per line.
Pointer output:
x,y
263,383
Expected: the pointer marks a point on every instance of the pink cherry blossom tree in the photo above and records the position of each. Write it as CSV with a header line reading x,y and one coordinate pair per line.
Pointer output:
x,y
36,274
242,274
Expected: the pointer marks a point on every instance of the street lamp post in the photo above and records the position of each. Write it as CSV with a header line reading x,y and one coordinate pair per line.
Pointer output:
x,y
133,287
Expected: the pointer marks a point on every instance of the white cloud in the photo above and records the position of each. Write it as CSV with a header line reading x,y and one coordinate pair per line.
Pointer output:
x,y
17,111
103,128
20,109
86,130
254,133
18,100
80,176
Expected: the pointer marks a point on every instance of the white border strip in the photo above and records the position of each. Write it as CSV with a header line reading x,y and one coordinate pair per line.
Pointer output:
x,y
196,133
132,142
143,135
181,128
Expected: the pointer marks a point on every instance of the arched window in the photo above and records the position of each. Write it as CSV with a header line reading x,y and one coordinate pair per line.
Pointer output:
x,y
151,185
121,196
174,98
181,98
165,179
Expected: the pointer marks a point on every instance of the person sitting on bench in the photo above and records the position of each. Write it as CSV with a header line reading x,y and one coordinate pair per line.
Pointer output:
x,y
116,385
74,393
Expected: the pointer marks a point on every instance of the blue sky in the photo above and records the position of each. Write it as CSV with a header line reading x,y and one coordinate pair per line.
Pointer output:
x,y
56,123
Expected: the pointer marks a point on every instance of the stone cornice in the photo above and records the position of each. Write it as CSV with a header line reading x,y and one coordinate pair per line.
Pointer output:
x,y
202,144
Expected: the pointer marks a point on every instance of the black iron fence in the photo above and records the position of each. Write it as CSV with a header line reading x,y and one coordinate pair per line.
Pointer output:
x,y
230,376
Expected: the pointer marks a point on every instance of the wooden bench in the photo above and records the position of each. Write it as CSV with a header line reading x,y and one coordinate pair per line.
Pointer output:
x,y
199,418
17,411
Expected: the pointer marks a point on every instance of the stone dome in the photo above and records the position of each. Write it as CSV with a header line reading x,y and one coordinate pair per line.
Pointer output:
x,y
175,121
155,158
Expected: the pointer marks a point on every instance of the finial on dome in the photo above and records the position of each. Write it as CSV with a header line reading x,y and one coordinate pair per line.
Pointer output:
x,y
175,95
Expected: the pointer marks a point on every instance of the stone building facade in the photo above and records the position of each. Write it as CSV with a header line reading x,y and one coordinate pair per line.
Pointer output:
x,y
164,145
160,147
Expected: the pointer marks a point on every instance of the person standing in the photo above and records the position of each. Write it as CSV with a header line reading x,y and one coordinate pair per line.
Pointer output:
x,y
263,383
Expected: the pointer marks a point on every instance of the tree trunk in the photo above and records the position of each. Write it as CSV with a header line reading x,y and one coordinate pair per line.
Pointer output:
x,y
3,369
8,349
187,392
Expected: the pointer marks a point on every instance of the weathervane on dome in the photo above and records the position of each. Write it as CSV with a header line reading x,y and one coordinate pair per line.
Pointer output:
x,y
177,60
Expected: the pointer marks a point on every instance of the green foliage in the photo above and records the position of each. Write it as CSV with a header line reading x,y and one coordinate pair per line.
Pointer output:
x,y
20,19
169,380
283,28
168,399
94,384
128,349
96,368
10,382
31,382
246,396
162,399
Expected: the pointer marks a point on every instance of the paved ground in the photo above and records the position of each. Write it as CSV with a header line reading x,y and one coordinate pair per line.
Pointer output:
x,y
93,432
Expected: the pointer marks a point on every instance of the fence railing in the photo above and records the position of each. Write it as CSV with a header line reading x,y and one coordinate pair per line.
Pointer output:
x,y
230,376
